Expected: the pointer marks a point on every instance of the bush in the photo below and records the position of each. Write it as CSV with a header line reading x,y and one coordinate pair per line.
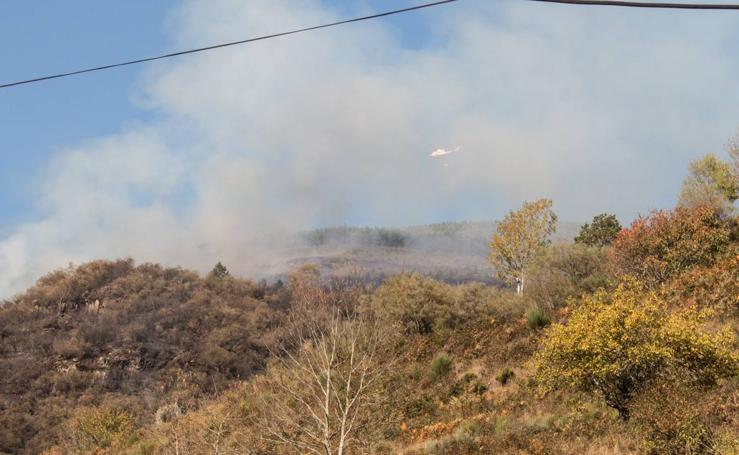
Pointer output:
x,y
668,243
441,365
617,341
414,304
536,318
391,239
469,383
73,287
467,430
91,429
505,375
668,417
566,271
69,348
713,287
167,413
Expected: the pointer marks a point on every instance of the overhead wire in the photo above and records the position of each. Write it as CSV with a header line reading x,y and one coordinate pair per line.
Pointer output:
x,y
619,3
632,4
232,43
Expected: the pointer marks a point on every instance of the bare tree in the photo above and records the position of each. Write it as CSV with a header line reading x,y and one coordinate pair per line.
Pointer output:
x,y
322,385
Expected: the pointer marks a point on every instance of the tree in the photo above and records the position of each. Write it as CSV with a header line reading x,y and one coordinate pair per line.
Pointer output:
x,y
711,182
519,238
315,398
601,232
219,272
669,242
617,341
733,150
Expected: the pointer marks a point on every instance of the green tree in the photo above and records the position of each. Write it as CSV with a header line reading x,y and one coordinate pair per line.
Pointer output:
x,y
219,271
600,232
519,238
617,341
711,182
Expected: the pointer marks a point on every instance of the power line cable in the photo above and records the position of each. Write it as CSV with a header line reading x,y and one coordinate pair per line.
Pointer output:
x,y
712,6
218,46
633,4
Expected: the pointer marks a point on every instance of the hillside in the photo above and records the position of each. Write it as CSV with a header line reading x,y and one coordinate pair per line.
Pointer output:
x,y
138,336
454,252
113,357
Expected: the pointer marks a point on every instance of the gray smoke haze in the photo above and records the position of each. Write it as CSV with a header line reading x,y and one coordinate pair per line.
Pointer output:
x,y
599,109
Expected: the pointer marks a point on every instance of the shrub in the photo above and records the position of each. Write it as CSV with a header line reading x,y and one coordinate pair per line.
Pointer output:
x,y
91,429
167,413
69,348
668,243
73,287
668,417
467,430
391,239
616,341
566,271
505,375
536,318
414,304
468,383
478,388
441,365
713,287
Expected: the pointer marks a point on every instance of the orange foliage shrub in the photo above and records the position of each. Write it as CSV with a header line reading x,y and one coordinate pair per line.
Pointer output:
x,y
670,242
714,287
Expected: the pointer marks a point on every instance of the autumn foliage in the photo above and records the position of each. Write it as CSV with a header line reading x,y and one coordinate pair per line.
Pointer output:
x,y
617,341
519,238
669,242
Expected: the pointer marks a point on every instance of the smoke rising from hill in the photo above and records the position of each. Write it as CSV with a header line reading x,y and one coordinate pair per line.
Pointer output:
x,y
255,143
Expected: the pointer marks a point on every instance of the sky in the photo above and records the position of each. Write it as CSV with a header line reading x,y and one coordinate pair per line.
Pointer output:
x,y
217,155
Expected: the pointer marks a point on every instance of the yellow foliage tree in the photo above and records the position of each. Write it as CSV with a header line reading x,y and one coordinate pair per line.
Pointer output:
x,y
711,182
616,341
519,238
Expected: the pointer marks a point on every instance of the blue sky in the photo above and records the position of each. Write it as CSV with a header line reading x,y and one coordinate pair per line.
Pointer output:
x,y
201,157
46,37
42,119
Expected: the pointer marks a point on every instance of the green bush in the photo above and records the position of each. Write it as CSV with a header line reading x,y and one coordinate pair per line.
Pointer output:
x,y
601,232
505,375
536,318
441,365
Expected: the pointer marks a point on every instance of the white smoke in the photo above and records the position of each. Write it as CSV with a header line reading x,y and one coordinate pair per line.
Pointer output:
x,y
600,109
